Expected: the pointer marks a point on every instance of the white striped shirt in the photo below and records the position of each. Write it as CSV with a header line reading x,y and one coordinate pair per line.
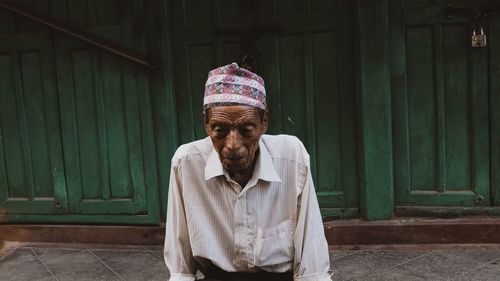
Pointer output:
x,y
272,224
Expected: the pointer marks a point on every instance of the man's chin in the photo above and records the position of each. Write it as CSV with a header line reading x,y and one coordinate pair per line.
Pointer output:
x,y
235,165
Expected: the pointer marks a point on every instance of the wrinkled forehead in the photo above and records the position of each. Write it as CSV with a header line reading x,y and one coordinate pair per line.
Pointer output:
x,y
233,114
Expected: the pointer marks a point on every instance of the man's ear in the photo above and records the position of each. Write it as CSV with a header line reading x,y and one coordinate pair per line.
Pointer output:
x,y
265,121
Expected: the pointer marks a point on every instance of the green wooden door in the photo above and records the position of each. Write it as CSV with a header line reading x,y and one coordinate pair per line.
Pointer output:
x,y
106,110
86,104
440,107
31,157
304,50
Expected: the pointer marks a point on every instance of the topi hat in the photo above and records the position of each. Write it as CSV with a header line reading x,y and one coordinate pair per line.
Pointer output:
x,y
233,85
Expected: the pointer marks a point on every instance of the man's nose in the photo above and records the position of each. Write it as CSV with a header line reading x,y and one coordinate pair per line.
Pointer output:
x,y
233,140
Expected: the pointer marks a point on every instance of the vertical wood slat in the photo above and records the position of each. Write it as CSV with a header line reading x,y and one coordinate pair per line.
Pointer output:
x,y
5,87
151,201
441,109
56,165
310,103
133,117
36,123
102,136
164,102
4,181
277,81
182,90
66,105
346,98
186,127
144,170
115,127
86,119
458,84
201,58
376,139
481,130
494,86
421,95
68,125
291,50
328,114
399,86
23,126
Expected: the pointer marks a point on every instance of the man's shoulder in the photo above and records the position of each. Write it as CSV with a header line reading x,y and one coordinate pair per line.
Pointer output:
x,y
201,147
286,147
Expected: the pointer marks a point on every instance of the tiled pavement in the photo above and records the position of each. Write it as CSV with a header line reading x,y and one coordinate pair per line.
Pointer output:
x,y
91,262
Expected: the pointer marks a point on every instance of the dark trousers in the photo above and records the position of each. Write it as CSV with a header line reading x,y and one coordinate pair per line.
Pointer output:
x,y
217,274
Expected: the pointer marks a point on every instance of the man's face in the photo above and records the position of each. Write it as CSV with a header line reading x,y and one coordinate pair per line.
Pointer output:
x,y
235,132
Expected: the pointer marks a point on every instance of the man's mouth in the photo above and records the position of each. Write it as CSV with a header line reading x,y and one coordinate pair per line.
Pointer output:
x,y
234,159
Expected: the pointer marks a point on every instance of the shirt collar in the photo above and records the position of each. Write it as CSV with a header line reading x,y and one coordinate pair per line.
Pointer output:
x,y
213,167
264,166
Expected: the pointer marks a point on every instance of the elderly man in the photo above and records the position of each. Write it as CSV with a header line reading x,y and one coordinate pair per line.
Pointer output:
x,y
242,204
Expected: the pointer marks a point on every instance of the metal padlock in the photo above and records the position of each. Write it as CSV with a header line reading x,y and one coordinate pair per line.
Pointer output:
x,y
478,40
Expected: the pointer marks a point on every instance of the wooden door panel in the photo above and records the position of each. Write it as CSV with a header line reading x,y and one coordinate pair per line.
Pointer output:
x,y
31,165
106,120
304,53
60,97
309,74
440,106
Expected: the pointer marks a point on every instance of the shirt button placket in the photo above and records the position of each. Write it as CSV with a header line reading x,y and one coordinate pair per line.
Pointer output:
x,y
240,235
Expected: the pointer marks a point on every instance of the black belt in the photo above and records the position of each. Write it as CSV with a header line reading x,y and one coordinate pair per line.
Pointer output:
x,y
217,273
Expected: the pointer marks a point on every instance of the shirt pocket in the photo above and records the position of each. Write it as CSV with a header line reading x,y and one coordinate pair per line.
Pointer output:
x,y
274,245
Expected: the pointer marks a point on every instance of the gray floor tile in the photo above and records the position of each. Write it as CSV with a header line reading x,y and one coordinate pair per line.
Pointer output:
x,y
144,266
399,273
488,272
158,253
447,264
358,265
398,256
75,265
113,255
480,256
22,265
335,254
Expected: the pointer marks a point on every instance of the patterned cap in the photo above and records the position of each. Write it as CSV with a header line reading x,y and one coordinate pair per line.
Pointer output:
x,y
231,84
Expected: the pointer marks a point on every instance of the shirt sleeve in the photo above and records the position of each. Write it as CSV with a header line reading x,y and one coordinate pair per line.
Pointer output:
x,y
311,260
177,251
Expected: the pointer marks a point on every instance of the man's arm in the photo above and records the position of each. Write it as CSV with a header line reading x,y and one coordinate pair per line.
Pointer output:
x,y
311,260
177,252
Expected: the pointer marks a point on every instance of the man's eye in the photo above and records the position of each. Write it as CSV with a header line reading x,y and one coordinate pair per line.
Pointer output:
x,y
247,130
219,130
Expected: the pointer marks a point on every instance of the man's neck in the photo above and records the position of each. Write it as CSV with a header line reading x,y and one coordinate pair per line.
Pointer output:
x,y
243,176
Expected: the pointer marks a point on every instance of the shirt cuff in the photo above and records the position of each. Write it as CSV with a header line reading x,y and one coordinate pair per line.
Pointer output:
x,y
313,277
182,277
